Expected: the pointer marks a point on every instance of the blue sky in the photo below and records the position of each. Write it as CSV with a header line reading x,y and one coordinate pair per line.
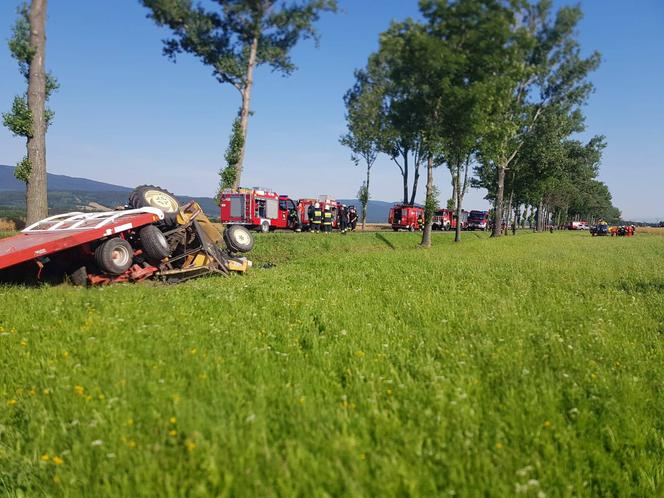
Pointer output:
x,y
126,115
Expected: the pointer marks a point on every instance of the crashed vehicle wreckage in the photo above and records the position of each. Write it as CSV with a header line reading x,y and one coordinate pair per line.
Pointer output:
x,y
153,237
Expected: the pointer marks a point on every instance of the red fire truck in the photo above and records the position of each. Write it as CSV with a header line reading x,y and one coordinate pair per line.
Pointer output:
x,y
324,201
259,209
442,219
478,220
464,220
406,217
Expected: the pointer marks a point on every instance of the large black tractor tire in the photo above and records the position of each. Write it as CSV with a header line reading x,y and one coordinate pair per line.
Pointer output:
x,y
114,256
238,239
156,197
79,277
154,243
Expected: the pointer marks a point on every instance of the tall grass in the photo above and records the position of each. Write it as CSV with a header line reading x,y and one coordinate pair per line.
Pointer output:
x,y
356,366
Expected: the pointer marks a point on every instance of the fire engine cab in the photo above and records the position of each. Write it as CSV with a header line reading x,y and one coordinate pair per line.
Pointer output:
x,y
406,217
478,220
464,220
442,219
259,209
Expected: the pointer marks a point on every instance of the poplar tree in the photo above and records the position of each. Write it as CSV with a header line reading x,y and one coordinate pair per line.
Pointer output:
x,y
29,117
234,38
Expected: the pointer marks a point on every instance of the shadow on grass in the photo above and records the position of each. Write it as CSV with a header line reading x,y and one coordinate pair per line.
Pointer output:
x,y
642,287
382,238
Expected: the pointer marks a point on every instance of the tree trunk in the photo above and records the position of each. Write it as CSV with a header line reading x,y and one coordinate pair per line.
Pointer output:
x,y
540,216
498,213
364,208
405,177
416,179
36,194
454,190
508,218
428,220
246,108
458,190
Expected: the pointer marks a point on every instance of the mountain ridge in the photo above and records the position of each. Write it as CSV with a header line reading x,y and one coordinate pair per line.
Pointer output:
x,y
69,193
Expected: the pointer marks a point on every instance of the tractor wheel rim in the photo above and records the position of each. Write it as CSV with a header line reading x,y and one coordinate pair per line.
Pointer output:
x,y
120,256
162,240
241,238
161,200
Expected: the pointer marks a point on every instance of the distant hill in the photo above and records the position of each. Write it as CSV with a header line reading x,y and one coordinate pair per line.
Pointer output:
x,y
60,183
377,211
67,193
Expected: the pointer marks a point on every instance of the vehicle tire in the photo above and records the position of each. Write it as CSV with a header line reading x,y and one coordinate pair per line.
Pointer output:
x,y
411,228
156,197
238,239
154,243
114,256
79,277
265,227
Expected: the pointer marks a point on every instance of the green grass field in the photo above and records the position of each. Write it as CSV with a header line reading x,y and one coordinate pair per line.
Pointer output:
x,y
357,366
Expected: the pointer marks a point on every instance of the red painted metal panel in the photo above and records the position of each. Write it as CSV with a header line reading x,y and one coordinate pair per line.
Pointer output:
x,y
26,246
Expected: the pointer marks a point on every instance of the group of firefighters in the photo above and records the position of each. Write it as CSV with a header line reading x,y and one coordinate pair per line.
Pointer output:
x,y
322,219
603,228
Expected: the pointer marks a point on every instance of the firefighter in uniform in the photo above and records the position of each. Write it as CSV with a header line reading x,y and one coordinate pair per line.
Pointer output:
x,y
420,222
317,218
352,218
310,217
343,219
294,220
327,220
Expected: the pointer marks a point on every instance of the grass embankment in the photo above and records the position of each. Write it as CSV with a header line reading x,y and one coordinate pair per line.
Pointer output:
x,y
358,366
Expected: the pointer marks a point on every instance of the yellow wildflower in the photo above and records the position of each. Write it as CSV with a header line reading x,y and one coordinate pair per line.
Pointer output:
x,y
24,343
46,391
173,420
44,457
193,351
11,402
57,460
190,445
359,354
130,422
80,390
547,424
499,446
65,355
172,433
